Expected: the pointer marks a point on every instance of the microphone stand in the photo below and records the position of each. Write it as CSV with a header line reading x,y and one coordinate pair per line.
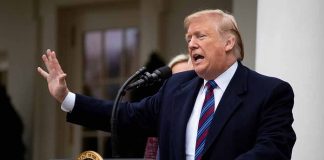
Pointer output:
x,y
114,114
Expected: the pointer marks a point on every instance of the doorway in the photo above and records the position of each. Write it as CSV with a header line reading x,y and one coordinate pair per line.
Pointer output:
x,y
98,47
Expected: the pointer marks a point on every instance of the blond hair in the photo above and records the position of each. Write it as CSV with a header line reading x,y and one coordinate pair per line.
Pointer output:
x,y
227,24
178,59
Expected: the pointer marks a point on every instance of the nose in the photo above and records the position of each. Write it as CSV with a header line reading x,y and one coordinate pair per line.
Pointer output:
x,y
192,44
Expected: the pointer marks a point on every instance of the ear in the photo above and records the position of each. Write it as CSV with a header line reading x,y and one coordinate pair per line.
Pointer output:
x,y
230,42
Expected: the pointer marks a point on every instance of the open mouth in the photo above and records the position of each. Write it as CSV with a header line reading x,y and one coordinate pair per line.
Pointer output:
x,y
197,57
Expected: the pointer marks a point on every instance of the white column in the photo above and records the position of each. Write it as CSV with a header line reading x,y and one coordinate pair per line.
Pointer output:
x,y
290,46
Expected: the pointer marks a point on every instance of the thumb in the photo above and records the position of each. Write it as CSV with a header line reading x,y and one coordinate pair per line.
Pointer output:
x,y
62,78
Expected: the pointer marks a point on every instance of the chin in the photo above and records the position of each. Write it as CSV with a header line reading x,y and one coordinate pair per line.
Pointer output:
x,y
200,73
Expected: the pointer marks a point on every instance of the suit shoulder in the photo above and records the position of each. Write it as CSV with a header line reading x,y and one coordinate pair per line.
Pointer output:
x,y
262,80
179,79
183,76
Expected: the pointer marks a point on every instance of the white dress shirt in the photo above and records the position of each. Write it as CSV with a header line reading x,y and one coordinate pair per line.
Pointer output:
x,y
68,102
222,82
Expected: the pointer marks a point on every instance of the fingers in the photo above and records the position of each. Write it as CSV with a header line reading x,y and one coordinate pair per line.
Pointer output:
x,y
56,62
51,62
49,54
46,61
42,72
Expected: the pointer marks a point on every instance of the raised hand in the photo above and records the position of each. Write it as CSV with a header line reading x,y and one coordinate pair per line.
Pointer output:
x,y
55,76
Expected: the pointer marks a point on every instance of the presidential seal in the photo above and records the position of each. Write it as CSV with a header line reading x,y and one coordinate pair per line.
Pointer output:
x,y
89,155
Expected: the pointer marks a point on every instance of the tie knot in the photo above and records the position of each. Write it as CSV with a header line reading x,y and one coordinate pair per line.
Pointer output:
x,y
211,84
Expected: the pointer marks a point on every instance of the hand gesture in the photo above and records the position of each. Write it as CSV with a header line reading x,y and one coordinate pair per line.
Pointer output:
x,y
55,76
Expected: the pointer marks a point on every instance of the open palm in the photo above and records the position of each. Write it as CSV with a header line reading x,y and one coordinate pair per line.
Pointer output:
x,y
55,76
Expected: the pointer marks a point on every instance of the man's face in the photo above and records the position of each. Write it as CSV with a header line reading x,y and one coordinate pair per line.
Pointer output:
x,y
207,48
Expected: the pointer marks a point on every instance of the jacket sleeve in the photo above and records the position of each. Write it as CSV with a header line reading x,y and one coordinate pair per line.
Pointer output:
x,y
275,137
96,114
90,112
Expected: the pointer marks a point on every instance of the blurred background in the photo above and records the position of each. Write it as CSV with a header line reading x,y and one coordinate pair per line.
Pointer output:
x,y
100,43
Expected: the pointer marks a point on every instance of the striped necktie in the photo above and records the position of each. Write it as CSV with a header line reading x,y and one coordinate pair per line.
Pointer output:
x,y
206,116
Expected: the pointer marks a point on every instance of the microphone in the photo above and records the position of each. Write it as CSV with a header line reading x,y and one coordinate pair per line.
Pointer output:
x,y
148,79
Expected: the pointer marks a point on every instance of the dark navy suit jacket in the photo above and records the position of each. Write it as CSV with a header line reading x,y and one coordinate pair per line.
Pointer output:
x,y
253,120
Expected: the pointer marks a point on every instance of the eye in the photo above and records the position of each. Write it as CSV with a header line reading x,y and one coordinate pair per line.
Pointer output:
x,y
188,39
201,36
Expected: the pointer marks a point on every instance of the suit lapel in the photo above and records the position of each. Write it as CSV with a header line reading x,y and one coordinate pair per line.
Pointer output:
x,y
228,104
185,98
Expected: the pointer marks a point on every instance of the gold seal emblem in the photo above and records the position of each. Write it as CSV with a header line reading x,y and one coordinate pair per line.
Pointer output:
x,y
89,155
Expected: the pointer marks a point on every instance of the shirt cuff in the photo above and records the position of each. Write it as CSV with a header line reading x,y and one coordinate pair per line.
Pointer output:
x,y
68,103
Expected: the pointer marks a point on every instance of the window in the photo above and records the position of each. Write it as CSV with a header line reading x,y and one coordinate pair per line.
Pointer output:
x,y
110,57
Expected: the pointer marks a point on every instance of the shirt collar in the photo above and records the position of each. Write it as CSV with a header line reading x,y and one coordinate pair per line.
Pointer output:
x,y
223,80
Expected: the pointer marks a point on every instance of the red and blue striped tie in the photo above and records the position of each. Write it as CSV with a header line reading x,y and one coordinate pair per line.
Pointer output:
x,y
206,116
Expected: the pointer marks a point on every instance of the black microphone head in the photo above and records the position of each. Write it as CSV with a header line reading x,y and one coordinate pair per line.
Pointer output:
x,y
163,72
149,79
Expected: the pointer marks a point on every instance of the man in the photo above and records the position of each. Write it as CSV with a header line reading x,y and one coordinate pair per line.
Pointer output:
x,y
244,115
